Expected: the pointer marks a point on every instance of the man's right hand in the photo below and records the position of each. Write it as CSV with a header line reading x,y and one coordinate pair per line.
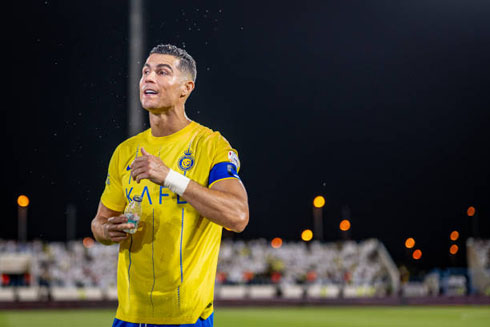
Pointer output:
x,y
114,228
108,226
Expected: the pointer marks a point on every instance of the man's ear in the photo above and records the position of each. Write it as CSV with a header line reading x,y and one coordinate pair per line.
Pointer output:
x,y
187,88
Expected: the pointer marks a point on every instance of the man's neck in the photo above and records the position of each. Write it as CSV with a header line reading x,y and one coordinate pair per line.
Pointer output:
x,y
168,122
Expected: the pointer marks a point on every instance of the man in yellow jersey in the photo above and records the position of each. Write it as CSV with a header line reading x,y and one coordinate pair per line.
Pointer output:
x,y
187,178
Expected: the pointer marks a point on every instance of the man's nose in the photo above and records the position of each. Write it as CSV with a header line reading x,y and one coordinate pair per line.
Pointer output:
x,y
150,77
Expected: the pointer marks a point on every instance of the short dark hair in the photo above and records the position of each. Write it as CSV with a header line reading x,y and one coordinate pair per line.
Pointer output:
x,y
186,63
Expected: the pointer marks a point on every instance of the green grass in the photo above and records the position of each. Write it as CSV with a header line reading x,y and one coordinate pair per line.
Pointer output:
x,y
464,316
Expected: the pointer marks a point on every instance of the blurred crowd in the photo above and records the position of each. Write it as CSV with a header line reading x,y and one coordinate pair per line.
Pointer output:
x,y
256,262
482,251
64,264
240,262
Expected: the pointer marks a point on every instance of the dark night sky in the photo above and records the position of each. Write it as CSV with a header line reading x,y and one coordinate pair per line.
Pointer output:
x,y
381,106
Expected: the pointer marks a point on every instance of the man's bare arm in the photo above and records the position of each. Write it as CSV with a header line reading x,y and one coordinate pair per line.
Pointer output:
x,y
108,226
225,203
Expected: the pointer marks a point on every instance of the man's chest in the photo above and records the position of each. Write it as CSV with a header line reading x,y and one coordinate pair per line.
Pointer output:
x,y
187,159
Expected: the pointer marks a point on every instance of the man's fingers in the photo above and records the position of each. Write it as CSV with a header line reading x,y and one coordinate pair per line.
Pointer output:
x,y
143,152
120,227
119,238
138,169
142,176
137,163
117,220
135,172
140,161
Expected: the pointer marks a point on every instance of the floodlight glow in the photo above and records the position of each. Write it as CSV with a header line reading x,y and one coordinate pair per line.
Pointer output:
x,y
307,235
409,243
23,201
276,243
344,225
319,202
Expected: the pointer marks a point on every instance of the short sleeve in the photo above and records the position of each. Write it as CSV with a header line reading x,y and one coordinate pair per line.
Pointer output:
x,y
113,196
225,162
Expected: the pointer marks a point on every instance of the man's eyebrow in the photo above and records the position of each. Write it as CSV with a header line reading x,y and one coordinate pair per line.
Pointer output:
x,y
161,65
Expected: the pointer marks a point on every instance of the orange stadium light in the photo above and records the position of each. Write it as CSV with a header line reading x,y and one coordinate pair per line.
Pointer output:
x,y
344,225
453,249
409,243
88,242
471,211
417,254
454,235
319,201
307,235
23,201
276,243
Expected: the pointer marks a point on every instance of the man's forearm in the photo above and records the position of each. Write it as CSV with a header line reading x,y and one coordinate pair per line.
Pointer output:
x,y
98,231
223,208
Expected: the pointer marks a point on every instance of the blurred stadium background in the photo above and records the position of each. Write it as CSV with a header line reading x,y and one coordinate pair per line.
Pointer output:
x,y
369,208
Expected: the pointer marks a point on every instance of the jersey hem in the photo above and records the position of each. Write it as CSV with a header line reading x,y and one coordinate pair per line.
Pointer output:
x,y
206,316
159,321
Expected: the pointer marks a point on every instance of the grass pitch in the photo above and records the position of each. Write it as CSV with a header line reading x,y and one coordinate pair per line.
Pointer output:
x,y
464,316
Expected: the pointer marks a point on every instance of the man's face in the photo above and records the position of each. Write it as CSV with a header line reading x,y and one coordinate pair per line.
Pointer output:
x,y
162,84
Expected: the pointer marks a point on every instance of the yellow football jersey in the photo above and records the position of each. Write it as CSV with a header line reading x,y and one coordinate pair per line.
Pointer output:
x,y
166,270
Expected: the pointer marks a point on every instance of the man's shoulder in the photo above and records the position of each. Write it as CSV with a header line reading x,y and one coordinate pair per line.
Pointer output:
x,y
207,134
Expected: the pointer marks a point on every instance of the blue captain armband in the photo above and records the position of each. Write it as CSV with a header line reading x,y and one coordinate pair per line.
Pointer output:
x,y
221,171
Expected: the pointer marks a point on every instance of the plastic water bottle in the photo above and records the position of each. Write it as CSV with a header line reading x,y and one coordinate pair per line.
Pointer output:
x,y
133,212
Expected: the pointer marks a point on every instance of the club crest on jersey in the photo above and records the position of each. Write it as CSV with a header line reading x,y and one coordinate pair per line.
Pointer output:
x,y
186,162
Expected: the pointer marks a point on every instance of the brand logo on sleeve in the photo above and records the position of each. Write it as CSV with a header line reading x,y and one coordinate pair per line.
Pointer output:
x,y
232,156
186,162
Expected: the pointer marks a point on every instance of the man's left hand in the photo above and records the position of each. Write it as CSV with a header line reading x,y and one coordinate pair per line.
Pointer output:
x,y
149,167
